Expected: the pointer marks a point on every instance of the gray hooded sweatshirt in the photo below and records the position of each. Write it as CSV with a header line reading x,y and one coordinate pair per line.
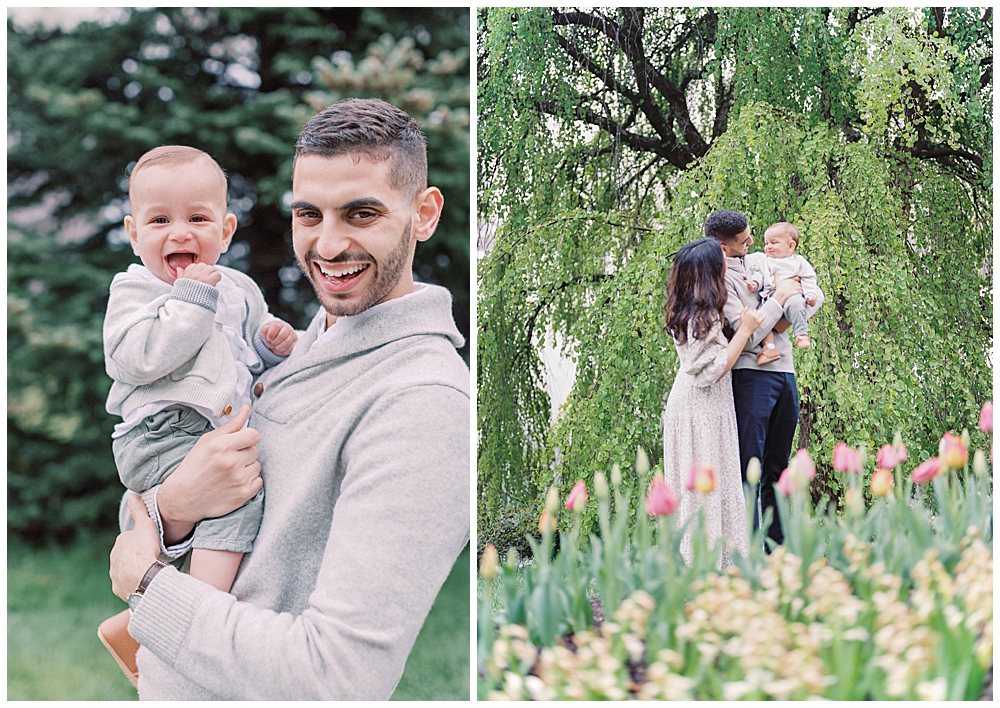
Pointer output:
x,y
365,445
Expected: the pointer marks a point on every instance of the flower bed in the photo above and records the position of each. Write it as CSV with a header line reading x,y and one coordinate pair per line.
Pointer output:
x,y
890,602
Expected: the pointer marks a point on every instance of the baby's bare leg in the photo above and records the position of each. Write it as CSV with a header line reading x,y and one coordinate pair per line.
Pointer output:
x,y
217,568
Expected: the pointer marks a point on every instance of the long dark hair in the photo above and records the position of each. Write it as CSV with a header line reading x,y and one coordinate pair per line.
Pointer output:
x,y
696,290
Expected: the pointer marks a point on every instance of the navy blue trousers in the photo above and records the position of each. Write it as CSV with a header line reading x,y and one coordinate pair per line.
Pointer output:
x,y
767,411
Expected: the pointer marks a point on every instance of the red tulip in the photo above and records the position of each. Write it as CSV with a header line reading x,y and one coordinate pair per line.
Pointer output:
x,y
660,501
952,452
845,459
986,417
700,478
577,498
901,452
882,482
926,471
887,458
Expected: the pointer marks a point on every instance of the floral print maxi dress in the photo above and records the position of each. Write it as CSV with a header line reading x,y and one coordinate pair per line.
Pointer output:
x,y
699,425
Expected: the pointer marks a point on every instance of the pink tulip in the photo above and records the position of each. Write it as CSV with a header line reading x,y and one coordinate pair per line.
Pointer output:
x,y
577,498
700,478
882,482
802,465
660,501
986,417
926,471
887,458
901,452
845,459
787,483
952,452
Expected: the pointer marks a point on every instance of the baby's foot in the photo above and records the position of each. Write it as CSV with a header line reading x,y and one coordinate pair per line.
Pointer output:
x,y
802,341
768,354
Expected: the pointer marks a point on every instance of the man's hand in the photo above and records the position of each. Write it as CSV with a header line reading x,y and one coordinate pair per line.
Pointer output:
x,y
134,550
219,475
784,288
202,272
279,337
810,300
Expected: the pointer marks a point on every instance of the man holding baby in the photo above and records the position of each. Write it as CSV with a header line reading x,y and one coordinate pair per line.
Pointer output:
x,y
764,389
360,440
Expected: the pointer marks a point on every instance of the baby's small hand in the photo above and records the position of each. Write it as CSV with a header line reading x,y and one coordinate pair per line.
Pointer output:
x,y
201,272
279,337
752,285
810,300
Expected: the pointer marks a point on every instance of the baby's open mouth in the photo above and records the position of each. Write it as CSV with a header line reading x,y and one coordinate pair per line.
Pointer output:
x,y
176,261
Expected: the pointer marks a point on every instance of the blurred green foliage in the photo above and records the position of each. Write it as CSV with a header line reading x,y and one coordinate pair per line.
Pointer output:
x,y
85,103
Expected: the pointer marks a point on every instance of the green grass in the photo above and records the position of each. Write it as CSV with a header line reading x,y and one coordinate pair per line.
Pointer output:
x,y
56,597
438,666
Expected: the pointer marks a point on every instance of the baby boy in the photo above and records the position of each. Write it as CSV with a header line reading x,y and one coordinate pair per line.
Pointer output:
x,y
183,339
779,260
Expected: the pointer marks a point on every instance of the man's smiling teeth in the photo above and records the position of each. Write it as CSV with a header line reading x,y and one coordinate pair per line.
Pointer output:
x,y
341,272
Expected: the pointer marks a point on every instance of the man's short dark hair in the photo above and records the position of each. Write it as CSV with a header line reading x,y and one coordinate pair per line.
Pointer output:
x,y
723,225
375,129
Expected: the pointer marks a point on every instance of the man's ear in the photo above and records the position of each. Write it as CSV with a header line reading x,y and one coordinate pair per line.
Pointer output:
x,y
133,233
228,229
427,207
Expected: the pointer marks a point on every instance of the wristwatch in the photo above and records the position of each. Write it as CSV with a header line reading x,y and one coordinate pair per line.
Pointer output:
x,y
133,599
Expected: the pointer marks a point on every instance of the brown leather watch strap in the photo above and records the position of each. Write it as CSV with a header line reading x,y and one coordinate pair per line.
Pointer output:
x,y
148,577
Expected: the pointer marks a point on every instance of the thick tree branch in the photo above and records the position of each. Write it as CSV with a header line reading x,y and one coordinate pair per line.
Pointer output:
x,y
594,68
932,152
605,25
628,37
939,20
631,43
677,155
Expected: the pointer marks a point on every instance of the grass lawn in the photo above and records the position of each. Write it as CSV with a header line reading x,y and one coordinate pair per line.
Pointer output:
x,y
56,597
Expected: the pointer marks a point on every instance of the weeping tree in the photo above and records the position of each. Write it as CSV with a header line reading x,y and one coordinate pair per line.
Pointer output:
x,y
607,136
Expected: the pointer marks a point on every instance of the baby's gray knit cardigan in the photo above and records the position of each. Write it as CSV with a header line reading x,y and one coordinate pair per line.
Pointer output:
x,y
365,456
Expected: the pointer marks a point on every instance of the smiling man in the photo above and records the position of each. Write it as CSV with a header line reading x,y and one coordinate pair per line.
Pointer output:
x,y
363,450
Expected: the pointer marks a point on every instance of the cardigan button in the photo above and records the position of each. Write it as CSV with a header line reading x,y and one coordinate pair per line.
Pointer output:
x,y
258,389
227,410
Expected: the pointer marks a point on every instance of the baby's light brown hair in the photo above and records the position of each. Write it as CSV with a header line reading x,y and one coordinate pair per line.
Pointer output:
x,y
169,155
783,228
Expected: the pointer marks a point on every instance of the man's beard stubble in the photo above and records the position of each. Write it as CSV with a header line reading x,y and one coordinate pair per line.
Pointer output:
x,y
387,276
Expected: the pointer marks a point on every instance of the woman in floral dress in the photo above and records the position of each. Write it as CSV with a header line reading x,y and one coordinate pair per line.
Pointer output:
x,y
699,422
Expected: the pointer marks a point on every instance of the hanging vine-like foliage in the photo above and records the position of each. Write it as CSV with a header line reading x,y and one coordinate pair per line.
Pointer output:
x,y
607,136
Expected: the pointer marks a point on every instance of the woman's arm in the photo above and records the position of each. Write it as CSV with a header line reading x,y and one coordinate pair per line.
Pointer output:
x,y
749,321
